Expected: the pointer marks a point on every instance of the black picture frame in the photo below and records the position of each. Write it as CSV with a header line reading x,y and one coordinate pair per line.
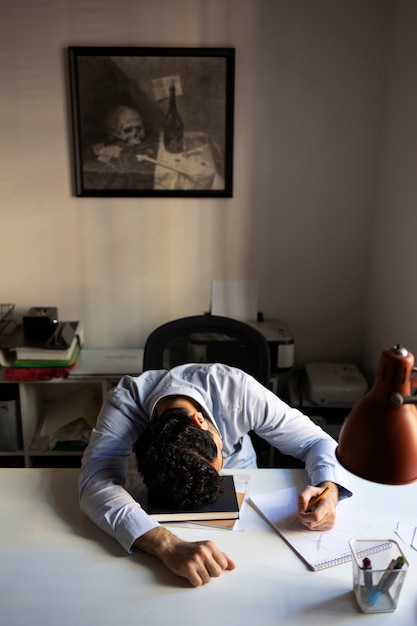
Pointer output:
x,y
120,98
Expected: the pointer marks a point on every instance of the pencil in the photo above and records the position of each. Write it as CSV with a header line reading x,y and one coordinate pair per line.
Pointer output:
x,y
314,501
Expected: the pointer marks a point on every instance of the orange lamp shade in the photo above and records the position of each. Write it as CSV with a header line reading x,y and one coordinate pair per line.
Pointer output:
x,y
378,440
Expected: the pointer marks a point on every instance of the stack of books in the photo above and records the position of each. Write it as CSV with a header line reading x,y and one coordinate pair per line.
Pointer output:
x,y
222,513
18,351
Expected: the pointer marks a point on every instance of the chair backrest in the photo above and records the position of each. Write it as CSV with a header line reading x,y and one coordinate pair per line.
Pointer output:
x,y
209,339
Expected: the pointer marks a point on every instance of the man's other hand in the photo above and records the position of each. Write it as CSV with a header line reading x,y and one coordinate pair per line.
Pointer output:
x,y
197,561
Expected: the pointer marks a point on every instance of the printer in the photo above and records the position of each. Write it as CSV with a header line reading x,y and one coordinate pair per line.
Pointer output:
x,y
277,334
334,384
280,340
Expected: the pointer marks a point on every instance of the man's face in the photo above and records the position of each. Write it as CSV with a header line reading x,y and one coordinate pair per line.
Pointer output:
x,y
218,462
204,423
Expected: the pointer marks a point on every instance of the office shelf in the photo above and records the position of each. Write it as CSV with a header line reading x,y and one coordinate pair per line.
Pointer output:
x,y
23,408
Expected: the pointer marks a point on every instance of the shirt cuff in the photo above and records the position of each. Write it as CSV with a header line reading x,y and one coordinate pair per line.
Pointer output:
x,y
132,529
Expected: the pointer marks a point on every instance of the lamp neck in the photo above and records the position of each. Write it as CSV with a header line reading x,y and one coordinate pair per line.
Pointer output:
x,y
394,373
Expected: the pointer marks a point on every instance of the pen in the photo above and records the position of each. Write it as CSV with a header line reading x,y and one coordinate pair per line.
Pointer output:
x,y
386,580
389,577
385,575
314,501
367,576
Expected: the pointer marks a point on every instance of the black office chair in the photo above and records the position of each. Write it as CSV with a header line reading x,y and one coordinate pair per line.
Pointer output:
x,y
212,339
209,339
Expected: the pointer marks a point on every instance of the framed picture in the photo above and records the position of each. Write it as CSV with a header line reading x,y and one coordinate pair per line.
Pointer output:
x,y
152,121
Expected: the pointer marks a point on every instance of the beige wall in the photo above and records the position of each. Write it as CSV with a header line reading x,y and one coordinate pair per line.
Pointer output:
x,y
392,301
309,85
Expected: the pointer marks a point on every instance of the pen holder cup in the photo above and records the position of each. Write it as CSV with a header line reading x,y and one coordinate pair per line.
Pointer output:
x,y
379,569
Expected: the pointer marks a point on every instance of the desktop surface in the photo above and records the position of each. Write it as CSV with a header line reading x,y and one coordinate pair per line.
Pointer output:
x,y
57,567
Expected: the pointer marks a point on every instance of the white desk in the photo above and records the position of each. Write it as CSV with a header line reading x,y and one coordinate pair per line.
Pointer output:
x,y
58,569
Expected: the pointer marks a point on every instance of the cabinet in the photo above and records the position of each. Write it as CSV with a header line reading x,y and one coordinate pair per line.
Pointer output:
x,y
23,410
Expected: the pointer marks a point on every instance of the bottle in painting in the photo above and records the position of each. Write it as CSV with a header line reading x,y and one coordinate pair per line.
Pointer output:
x,y
173,127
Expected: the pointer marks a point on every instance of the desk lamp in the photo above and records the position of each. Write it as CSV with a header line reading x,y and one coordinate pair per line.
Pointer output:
x,y
378,440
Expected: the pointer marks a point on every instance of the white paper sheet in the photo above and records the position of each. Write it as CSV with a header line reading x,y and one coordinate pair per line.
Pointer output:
x,y
235,298
408,534
318,549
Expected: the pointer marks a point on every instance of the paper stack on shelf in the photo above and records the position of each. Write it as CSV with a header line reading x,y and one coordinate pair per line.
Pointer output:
x,y
67,422
108,362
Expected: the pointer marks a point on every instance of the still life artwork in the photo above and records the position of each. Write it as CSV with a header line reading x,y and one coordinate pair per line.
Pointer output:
x,y
152,121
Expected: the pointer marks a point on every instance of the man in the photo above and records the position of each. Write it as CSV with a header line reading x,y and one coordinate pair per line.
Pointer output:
x,y
225,404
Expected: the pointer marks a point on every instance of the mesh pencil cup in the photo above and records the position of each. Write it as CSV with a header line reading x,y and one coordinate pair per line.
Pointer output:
x,y
379,569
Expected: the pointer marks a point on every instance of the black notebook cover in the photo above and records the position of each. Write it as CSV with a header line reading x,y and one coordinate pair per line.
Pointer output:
x,y
225,507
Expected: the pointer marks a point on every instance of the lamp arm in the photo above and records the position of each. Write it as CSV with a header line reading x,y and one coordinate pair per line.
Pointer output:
x,y
397,399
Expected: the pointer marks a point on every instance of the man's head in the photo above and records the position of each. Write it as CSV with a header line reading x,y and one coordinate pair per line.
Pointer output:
x,y
179,456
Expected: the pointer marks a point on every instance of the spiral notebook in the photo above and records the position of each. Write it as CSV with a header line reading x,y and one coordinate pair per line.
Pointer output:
x,y
318,550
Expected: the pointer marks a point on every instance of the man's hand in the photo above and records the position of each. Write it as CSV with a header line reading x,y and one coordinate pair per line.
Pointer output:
x,y
197,561
323,515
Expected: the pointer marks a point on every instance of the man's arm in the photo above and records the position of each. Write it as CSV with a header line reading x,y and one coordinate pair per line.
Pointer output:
x,y
197,561
294,433
112,508
104,499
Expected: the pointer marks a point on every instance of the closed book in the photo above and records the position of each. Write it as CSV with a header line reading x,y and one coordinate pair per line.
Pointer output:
x,y
226,507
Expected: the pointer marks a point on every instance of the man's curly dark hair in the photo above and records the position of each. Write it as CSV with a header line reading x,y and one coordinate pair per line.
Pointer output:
x,y
174,457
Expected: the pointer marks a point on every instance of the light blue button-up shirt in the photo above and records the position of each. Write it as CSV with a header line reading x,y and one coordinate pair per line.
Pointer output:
x,y
234,401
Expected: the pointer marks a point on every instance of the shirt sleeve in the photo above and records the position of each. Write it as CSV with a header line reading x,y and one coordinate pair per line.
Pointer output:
x,y
104,471
295,434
